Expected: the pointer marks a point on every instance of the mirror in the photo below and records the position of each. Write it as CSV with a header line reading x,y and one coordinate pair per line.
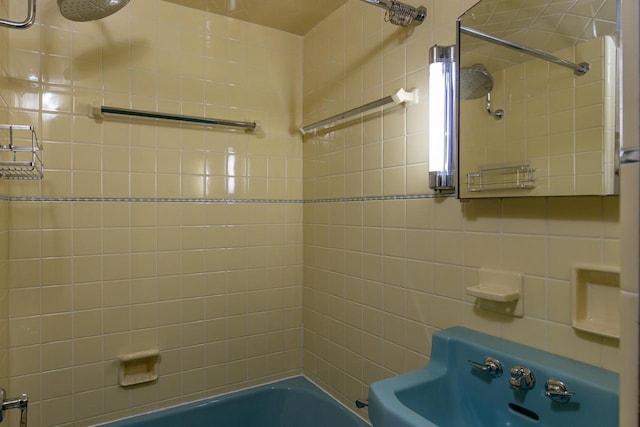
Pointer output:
x,y
538,102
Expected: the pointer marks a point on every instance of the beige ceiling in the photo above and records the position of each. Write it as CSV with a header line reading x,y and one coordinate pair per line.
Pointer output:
x,y
293,16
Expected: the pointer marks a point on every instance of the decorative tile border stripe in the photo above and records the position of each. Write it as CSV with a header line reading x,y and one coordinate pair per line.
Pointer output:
x,y
378,198
216,200
145,200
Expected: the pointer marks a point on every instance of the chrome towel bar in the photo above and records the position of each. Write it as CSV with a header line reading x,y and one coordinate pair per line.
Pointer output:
x,y
400,97
98,112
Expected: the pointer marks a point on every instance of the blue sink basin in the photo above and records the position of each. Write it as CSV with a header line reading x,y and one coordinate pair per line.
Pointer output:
x,y
450,392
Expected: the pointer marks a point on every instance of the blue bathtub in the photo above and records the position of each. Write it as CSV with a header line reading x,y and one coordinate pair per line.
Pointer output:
x,y
294,402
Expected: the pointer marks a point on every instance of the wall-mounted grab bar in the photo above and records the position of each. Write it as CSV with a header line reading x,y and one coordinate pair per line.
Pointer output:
x,y
98,112
31,18
578,69
400,97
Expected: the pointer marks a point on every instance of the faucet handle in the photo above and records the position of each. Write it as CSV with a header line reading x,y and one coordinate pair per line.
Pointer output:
x,y
521,378
21,402
491,366
558,391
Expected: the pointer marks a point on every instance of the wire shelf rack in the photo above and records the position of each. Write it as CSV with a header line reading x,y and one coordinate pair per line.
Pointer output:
x,y
21,155
507,177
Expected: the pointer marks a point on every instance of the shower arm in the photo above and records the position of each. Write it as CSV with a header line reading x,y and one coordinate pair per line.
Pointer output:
x,y
384,4
578,69
417,15
31,18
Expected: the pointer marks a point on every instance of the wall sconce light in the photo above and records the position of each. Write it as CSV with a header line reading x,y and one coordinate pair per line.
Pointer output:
x,y
442,118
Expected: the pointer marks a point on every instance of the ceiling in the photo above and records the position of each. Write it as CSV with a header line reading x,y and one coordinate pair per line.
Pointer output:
x,y
293,16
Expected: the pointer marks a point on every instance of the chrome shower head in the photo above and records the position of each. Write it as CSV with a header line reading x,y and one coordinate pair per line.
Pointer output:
x,y
89,10
475,82
399,13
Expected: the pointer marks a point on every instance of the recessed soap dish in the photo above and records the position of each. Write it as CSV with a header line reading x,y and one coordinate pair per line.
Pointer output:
x,y
595,299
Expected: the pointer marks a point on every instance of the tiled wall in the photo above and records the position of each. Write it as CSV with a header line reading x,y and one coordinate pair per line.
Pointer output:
x,y
4,234
630,222
386,263
129,244
555,122
152,235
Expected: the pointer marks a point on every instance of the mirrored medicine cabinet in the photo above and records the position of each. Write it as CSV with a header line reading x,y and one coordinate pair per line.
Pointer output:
x,y
538,98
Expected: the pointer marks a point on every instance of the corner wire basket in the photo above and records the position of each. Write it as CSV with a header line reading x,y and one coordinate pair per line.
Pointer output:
x,y
20,153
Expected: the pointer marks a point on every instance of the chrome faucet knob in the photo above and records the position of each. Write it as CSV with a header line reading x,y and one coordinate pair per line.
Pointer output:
x,y
558,391
521,378
21,402
491,366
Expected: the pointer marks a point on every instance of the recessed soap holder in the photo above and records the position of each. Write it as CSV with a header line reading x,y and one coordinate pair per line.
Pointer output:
x,y
595,299
499,291
138,368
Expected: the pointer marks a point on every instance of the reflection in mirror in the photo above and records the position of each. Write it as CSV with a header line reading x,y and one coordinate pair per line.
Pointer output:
x,y
538,104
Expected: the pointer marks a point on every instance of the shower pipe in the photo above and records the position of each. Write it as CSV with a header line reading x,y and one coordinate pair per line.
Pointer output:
x,y
400,97
98,112
31,18
578,69
401,14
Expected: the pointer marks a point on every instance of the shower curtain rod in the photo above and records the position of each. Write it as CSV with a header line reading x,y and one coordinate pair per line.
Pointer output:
x,y
578,69
400,97
29,20
98,112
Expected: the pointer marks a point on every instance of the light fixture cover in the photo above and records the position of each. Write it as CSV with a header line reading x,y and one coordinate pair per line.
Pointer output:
x,y
442,118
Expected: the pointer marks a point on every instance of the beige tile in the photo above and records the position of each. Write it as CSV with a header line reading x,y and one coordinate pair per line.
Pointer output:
x,y
535,263
24,302
580,217
57,299
482,249
56,355
447,281
482,215
87,377
87,323
58,411
27,331
56,384
528,331
565,252
57,327
574,344
447,312
88,350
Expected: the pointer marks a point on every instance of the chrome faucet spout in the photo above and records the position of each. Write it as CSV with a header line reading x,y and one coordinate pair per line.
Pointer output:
x,y
521,378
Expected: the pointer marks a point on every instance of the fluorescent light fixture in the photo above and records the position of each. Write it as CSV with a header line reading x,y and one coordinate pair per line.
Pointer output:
x,y
442,120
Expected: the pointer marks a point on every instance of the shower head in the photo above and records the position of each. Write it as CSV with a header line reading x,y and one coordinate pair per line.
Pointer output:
x,y
89,10
475,82
401,14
